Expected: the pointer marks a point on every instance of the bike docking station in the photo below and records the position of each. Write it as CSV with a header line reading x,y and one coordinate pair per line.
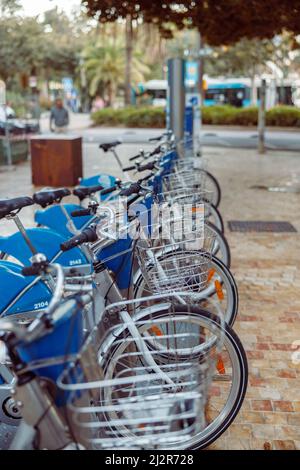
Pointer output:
x,y
117,320
183,111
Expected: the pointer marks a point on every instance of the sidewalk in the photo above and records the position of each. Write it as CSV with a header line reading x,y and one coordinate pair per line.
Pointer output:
x,y
266,268
78,122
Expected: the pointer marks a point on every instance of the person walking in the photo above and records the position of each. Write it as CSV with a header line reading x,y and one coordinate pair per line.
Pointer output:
x,y
60,117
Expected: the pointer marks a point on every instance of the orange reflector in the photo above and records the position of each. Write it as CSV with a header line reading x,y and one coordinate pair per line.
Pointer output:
x,y
211,274
219,290
156,330
197,209
220,366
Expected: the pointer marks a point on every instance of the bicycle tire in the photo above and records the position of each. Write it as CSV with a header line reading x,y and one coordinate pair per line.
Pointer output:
x,y
140,288
217,188
214,430
226,259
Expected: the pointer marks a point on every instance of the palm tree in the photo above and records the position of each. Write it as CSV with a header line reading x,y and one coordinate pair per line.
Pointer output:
x,y
105,65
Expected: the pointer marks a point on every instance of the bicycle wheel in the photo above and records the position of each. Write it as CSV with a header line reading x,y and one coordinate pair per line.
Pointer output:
x,y
228,383
215,217
212,184
221,287
221,248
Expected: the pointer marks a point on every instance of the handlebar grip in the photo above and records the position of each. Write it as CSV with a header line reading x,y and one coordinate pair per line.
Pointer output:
x,y
33,270
155,151
81,213
129,168
133,189
148,166
135,157
86,236
108,190
146,178
155,139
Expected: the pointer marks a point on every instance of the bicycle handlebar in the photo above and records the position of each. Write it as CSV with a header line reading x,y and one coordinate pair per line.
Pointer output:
x,y
86,236
109,190
134,188
135,157
148,166
129,168
155,151
81,213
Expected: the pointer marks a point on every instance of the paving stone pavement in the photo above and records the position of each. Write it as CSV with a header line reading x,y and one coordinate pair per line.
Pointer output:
x,y
266,268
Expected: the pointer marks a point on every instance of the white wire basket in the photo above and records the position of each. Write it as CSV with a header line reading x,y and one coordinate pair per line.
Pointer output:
x,y
189,162
185,178
117,398
177,256
187,196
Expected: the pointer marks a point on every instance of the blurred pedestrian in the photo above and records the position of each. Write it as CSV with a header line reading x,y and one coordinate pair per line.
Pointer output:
x,y
60,117
98,104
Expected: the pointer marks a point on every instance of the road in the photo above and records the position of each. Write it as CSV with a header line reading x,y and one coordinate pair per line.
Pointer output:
x,y
212,136
280,140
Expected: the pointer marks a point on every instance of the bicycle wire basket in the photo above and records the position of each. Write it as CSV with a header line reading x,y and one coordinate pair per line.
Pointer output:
x,y
191,162
188,197
176,255
185,178
124,395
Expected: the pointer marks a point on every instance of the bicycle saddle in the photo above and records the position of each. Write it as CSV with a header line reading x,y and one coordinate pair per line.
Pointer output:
x,y
83,191
109,145
46,197
8,206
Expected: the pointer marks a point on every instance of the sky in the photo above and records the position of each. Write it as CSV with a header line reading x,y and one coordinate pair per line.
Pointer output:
x,y
34,7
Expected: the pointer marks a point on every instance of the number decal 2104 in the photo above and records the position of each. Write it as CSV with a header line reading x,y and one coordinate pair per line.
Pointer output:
x,y
41,305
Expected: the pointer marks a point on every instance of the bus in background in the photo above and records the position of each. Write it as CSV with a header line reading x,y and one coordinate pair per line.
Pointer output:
x,y
154,92
237,91
233,91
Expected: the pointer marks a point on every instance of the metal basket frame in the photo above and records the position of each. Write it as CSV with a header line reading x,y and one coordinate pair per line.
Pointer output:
x,y
188,195
135,408
185,178
172,261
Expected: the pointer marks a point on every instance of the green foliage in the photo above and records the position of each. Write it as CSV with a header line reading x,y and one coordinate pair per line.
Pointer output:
x,y
241,59
130,117
284,116
48,49
220,21
17,102
9,7
105,65
228,115
152,117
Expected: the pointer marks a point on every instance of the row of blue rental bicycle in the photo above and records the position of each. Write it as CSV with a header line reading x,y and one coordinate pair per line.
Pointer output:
x,y
117,313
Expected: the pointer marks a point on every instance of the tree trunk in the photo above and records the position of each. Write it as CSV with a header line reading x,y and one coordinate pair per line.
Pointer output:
x,y
262,118
129,48
253,90
111,94
115,32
